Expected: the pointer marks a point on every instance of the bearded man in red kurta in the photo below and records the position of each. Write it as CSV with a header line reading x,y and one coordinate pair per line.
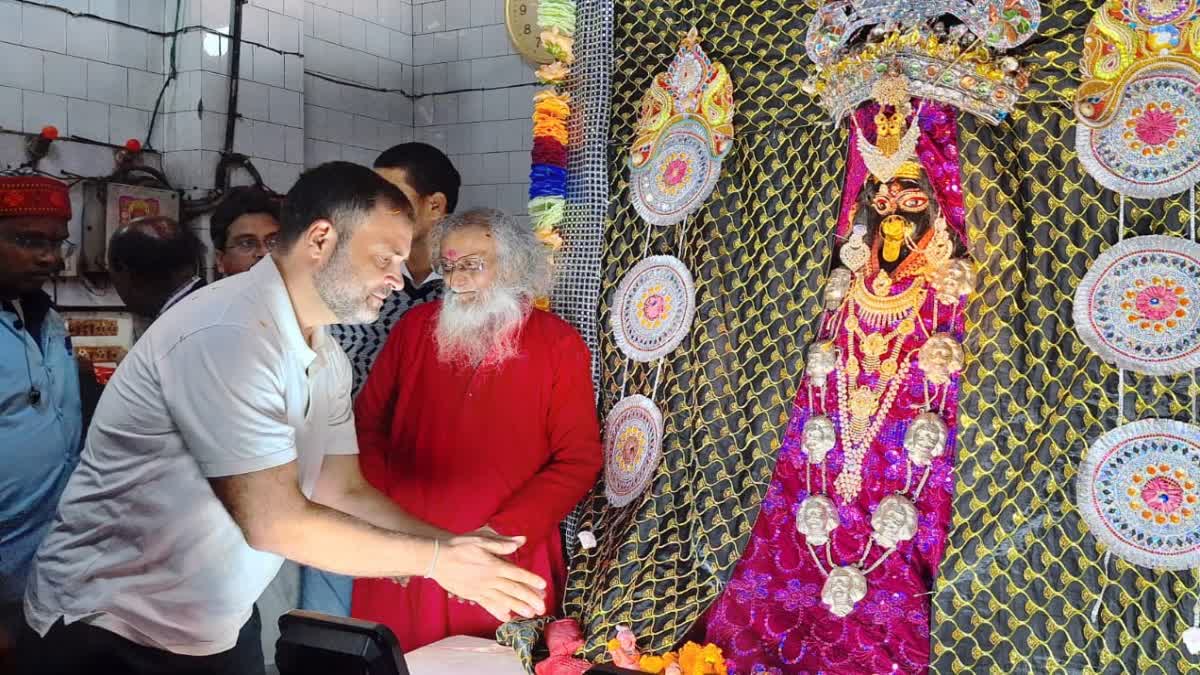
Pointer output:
x,y
478,414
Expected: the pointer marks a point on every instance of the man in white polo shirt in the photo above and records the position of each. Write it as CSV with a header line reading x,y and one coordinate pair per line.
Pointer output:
x,y
225,443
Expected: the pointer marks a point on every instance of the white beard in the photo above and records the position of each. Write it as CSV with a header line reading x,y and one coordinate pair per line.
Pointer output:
x,y
480,332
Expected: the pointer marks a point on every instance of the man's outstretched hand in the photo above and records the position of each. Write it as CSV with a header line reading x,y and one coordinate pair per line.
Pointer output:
x,y
471,568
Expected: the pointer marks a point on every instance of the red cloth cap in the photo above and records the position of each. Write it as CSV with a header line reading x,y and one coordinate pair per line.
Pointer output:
x,y
34,196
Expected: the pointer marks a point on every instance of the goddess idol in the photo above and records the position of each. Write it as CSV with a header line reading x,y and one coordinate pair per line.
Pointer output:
x,y
839,569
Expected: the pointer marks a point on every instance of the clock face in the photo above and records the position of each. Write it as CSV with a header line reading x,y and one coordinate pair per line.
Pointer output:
x,y
521,18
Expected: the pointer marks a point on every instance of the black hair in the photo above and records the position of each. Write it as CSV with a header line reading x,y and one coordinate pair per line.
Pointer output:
x,y
240,201
427,169
340,192
155,249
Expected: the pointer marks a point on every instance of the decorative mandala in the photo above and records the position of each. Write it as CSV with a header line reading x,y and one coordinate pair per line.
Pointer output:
x,y
633,436
679,176
1137,491
1151,147
1136,305
653,308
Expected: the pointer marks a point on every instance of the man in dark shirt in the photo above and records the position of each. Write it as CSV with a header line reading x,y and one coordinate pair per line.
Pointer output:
x,y
154,262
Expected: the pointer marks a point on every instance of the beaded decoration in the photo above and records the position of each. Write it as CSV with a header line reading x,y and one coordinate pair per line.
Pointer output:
x,y
1138,105
1135,307
684,131
1137,491
653,308
633,434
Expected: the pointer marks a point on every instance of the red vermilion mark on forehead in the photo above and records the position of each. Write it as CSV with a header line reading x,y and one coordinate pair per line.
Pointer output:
x,y
452,254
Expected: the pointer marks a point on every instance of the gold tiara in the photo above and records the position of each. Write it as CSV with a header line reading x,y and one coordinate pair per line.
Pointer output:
x,y
909,170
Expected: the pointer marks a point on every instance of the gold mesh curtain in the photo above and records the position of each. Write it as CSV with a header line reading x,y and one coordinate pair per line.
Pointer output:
x,y
757,250
1021,575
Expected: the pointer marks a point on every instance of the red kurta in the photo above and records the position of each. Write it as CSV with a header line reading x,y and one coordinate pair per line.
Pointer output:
x,y
514,448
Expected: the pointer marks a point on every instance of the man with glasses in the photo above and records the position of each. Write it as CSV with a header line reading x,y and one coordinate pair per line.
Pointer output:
x,y
40,410
479,415
243,229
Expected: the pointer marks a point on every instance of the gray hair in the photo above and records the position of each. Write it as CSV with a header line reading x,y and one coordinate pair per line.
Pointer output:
x,y
523,262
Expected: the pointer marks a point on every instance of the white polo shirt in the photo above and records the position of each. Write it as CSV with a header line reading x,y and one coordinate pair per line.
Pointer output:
x,y
224,384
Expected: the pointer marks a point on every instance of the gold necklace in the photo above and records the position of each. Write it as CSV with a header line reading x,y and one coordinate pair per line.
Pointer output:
x,y
878,309
863,409
875,345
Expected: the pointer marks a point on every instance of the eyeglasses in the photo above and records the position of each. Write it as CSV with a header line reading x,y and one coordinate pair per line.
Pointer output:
x,y
42,245
471,265
251,246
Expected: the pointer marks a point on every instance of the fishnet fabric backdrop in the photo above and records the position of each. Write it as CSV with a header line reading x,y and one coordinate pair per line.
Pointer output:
x,y
577,290
758,251
1022,574
578,285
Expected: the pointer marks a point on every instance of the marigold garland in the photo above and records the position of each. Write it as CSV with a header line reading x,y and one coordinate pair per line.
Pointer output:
x,y
692,659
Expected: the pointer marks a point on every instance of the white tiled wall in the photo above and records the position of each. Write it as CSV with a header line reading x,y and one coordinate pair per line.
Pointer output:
x,y
363,42
463,44
270,129
442,72
88,78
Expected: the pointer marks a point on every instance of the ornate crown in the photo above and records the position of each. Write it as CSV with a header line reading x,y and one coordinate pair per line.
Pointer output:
x,y
960,65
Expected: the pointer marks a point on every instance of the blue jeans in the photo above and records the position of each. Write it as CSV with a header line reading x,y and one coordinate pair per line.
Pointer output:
x,y
326,592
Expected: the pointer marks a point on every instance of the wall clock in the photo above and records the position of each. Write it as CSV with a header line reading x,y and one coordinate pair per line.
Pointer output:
x,y
521,18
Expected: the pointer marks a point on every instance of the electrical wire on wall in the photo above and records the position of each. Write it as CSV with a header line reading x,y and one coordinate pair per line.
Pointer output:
x,y
230,160
172,75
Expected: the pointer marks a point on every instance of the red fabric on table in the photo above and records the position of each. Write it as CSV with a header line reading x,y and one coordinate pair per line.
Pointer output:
x,y
563,638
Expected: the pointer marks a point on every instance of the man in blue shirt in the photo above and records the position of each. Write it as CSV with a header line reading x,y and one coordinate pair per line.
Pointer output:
x,y
40,413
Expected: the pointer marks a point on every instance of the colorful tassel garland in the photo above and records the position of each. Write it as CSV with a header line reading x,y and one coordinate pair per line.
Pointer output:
x,y
551,110
548,150
558,14
560,46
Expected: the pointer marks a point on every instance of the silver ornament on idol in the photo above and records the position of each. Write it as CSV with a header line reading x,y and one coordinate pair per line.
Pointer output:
x,y
926,438
855,251
822,360
941,357
837,287
954,280
816,518
818,438
894,521
844,587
